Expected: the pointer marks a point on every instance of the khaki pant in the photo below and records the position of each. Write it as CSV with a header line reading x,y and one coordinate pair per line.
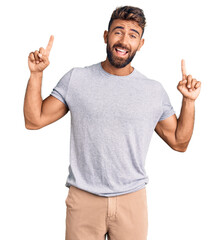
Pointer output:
x,y
93,217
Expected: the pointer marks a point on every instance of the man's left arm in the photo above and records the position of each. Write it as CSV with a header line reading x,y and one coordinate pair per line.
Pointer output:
x,y
177,132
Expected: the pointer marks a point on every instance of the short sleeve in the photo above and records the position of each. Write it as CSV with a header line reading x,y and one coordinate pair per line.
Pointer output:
x,y
167,108
60,90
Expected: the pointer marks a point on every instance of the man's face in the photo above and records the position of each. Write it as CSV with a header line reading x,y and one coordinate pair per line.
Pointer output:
x,y
123,41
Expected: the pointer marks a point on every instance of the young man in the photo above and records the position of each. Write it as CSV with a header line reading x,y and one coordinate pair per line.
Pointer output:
x,y
114,111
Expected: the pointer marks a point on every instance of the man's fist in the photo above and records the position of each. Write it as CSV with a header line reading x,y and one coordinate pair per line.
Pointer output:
x,y
188,86
38,60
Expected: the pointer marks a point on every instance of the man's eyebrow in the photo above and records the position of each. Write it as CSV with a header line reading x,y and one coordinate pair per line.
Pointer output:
x,y
117,27
135,31
123,28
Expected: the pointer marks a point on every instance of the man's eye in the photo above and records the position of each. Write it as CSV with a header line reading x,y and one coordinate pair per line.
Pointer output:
x,y
133,36
117,32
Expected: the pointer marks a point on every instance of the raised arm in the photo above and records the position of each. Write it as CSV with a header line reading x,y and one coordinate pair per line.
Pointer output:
x,y
177,132
38,112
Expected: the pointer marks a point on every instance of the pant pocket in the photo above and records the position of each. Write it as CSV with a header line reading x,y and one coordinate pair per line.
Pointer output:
x,y
67,198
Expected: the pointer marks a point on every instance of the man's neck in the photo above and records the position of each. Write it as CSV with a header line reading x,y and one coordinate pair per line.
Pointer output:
x,y
128,69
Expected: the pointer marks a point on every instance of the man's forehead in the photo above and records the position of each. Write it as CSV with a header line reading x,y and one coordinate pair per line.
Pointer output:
x,y
125,24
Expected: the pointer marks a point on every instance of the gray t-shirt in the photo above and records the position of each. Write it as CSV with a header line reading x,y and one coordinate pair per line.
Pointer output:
x,y
112,122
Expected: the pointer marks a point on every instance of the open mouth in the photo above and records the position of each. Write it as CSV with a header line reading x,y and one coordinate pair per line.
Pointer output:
x,y
121,52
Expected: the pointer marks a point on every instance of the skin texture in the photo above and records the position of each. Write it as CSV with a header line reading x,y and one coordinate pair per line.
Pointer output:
x,y
125,35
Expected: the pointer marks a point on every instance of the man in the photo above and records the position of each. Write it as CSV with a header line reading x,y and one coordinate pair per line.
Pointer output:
x,y
114,111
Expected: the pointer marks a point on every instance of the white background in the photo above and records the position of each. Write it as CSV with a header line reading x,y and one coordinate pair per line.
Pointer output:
x,y
185,192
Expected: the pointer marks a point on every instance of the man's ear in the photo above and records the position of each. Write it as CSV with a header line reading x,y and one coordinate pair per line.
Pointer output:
x,y
105,36
141,43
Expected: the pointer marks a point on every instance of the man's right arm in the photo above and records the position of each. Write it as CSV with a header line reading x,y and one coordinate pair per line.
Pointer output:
x,y
37,112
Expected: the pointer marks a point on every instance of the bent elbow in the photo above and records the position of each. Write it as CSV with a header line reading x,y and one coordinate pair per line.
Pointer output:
x,y
30,126
180,147
181,150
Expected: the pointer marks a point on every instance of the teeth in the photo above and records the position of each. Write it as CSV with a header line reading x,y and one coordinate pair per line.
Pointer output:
x,y
121,50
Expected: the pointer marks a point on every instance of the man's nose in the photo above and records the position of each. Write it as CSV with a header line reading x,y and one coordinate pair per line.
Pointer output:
x,y
124,39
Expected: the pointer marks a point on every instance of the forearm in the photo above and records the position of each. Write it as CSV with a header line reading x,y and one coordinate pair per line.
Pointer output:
x,y
185,123
33,100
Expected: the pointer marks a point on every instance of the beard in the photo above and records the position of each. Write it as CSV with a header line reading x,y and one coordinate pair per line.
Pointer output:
x,y
119,62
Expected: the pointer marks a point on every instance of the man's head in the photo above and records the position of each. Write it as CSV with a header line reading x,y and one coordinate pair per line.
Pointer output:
x,y
125,31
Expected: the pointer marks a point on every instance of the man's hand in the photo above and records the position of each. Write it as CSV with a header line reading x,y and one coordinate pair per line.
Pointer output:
x,y
38,60
188,86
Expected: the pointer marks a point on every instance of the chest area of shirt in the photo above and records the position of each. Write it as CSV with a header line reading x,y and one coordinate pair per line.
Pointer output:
x,y
101,99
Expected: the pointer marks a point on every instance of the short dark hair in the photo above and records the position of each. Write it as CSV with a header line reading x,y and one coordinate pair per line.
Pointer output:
x,y
129,13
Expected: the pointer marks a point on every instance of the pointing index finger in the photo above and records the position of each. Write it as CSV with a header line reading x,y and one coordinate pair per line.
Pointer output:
x,y
183,69
49,45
